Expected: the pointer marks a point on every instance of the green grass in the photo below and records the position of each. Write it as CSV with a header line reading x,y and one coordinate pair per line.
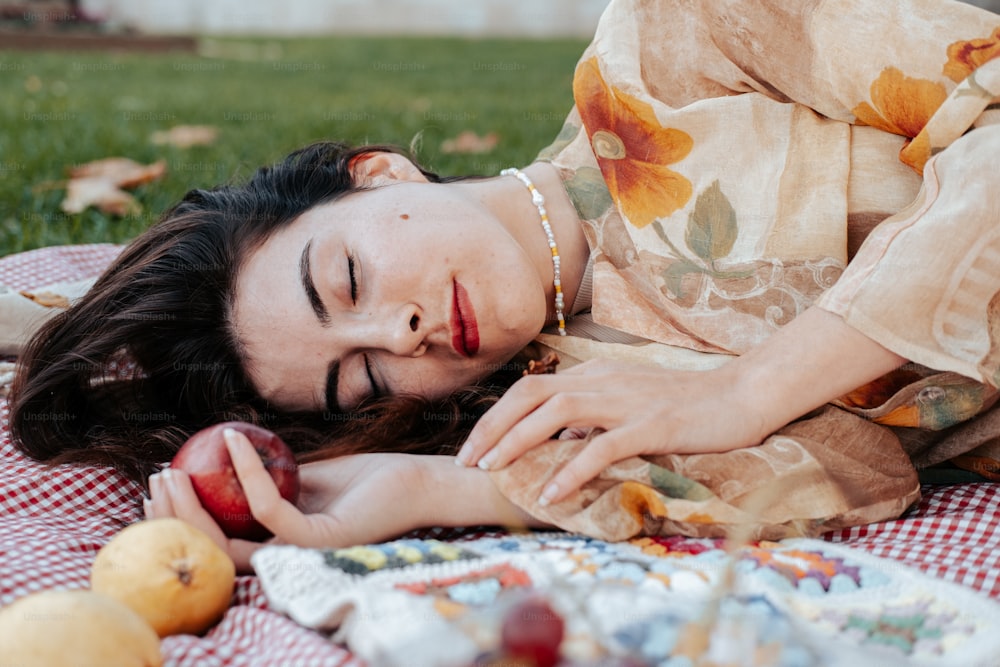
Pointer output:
x,y
267,97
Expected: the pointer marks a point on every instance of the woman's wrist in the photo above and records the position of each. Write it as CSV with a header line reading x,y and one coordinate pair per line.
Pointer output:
x,y
811,361
458,496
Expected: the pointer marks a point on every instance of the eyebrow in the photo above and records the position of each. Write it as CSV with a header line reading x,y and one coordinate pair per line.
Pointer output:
x,y
305,275
323,315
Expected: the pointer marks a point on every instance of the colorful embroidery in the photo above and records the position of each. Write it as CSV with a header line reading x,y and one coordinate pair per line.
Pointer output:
x,y
370,558
668,601
475,588
911,628
803,570
676,546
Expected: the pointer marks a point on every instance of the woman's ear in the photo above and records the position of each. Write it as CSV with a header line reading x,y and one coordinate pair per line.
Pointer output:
x,y
382,168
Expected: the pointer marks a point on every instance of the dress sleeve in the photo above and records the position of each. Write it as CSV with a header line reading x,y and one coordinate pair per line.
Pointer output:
x,y
828,54
890,65
827,472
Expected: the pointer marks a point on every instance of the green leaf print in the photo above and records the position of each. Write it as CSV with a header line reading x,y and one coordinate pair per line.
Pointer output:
x,y
673,485
565,138
589,193
711,230
673,276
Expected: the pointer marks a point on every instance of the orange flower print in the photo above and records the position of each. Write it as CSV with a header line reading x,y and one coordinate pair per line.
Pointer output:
x,y
963,57
641,502
632,148
903,105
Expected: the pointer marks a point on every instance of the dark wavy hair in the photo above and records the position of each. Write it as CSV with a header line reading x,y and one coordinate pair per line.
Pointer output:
x,y
149,356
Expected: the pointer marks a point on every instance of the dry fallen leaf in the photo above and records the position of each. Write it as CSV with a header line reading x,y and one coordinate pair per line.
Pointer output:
x,y
120,171
468,141
82,193
185,136
47,299
99,183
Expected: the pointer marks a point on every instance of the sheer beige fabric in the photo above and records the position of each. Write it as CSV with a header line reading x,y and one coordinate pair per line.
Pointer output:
x,y
735,162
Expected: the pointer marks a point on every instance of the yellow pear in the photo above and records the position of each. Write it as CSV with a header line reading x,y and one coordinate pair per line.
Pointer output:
x,y
168,571
80,628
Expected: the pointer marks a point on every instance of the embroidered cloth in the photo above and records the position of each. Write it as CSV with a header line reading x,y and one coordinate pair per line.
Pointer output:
x,y
669,602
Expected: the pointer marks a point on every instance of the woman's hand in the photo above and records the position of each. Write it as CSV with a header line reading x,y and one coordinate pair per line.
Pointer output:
x,y
632,410
628,410
345,501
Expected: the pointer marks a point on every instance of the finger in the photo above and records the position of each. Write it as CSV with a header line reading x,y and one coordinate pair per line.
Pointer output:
x,y
560,411
179,492
521,399
267,505
159,504
601,451
186,505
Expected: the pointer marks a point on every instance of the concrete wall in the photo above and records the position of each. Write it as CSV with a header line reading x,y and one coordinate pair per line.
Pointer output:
x,y
473,18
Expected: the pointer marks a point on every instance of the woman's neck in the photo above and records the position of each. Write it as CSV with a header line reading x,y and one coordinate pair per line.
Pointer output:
x,y
510,201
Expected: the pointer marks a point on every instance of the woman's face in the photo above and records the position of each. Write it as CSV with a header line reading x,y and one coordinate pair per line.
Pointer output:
x,y
410,287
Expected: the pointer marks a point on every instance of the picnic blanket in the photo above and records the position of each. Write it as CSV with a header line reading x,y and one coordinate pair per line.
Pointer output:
x,y
946,548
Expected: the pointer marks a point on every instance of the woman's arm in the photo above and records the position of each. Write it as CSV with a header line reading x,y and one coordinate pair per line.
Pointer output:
x,y
350,500
814,359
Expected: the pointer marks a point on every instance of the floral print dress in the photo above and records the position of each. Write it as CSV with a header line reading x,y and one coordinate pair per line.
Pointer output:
x,y
735,162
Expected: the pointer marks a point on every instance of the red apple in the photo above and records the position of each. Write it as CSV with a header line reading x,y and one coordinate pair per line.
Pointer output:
x,y
532,631
206,460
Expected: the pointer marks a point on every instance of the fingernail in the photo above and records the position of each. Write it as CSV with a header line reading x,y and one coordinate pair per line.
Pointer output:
x,y
147,507
460,462
229,434
548,494
487,461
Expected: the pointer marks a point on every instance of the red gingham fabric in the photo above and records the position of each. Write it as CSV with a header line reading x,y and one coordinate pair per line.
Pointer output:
x,y
952,533
54,520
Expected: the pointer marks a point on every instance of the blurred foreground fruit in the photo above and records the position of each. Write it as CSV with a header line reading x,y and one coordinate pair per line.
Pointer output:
x,y
206,460
532,631
77,627
169,572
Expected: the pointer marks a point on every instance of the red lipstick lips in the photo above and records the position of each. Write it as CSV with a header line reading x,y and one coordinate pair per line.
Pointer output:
x,y
464,330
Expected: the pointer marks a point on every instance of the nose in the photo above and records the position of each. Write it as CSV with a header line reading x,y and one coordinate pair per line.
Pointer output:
x,y
397,329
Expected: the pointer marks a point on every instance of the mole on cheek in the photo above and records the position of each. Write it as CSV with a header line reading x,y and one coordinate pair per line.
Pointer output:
x,y
405,216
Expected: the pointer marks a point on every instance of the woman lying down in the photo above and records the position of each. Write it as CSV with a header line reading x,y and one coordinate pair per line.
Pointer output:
x,y
765,246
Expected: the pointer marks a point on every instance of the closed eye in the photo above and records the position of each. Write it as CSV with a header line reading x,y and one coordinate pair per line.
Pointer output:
x,y
376,392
